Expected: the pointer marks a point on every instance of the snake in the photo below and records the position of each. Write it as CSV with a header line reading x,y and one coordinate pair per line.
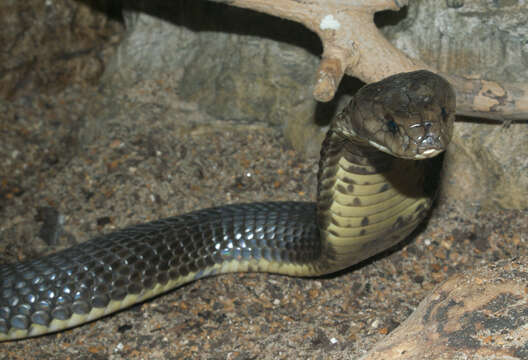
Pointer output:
x,y
377,180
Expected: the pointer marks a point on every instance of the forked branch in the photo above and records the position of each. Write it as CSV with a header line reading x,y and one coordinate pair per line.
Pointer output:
x,y
353,45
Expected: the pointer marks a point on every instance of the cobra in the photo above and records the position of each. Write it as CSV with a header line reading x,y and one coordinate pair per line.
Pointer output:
x,y
376,183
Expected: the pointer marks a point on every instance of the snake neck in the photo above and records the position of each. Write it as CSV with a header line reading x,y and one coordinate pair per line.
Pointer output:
x,y
367,200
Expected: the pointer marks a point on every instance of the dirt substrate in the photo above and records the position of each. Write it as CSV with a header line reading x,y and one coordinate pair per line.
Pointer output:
x,y
85,162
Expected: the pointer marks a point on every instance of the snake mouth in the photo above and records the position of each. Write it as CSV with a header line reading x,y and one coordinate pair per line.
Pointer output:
x,y
430,146
432,152
419,154
428,153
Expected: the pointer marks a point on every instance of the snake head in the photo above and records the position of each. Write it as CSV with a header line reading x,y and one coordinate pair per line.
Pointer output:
x,y
408,115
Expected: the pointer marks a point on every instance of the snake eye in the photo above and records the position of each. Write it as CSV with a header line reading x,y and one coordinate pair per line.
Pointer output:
x,y
391,124
444,113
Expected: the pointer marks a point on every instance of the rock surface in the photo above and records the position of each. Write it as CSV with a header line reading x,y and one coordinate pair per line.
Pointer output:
x,y
47,45
237,64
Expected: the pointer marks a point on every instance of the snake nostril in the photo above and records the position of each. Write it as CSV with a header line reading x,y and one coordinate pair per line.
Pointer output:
x,y
430,141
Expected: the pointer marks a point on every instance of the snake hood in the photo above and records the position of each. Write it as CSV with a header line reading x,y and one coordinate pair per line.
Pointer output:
x,y
399,116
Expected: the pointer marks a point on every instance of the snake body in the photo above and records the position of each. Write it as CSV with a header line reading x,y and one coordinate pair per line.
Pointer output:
x,y
371,194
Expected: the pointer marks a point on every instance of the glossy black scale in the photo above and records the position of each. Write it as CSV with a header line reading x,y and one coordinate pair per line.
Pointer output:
x,y
135,259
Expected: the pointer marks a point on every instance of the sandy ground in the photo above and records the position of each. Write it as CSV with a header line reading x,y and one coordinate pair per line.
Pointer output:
x,y
86,162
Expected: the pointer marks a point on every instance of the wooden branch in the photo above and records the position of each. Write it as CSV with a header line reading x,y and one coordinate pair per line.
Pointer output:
x,y
353,45
490,99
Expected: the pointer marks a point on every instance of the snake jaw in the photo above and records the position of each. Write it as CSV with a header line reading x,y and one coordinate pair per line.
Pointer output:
x,y
432,152
380,147
429,153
